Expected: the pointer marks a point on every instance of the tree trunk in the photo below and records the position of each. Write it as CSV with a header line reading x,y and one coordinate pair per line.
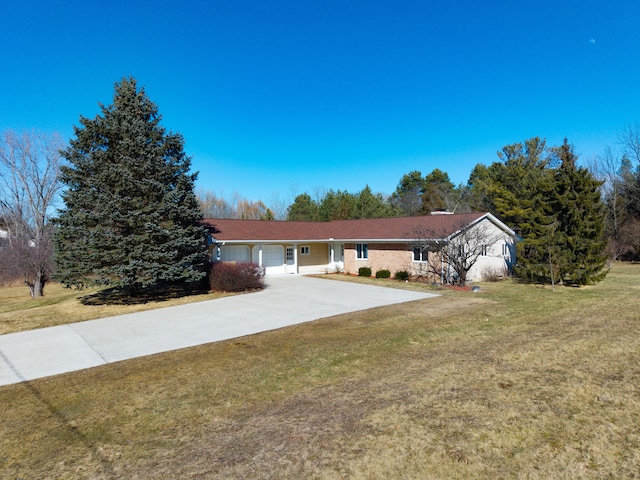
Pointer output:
x,y
36,288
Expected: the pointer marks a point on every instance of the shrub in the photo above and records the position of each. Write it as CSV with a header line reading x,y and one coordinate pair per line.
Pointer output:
x,y
236,277
401,275
493,274
384,273
364,271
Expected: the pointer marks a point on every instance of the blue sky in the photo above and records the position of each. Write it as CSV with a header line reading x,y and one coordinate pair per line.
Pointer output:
x,y
282,97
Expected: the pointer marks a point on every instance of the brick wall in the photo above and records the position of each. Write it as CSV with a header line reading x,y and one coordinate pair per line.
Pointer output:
x,y
389,256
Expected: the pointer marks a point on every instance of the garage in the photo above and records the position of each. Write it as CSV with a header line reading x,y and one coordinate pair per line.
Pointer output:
x,y
272,258
235,253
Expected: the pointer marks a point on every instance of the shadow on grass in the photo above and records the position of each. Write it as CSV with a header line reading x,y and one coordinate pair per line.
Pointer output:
x,y
546,282
73,432
158,293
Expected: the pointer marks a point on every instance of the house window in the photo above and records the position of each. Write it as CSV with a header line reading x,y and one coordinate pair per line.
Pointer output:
x,y
483,250
305,250
362,251
420,253
505,250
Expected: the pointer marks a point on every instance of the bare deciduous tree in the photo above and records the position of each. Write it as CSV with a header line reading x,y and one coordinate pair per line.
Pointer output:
x,y
609,169
620,173
278,205
629,139
215,206
450,260
249,210
29,167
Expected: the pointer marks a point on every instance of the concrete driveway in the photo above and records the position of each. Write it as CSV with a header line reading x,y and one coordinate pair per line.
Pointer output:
x,y
287,300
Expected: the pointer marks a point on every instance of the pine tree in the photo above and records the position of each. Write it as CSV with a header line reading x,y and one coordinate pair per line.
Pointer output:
x,y
337,205
518,190
370,205
131,218
407,197
537,253
303,209
554,206
580,212
439,193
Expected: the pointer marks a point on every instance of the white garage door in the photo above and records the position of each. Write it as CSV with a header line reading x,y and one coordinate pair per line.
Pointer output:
x,y
235,253
272,258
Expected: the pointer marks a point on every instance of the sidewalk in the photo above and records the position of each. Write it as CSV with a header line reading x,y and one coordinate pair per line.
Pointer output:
x,y
287,300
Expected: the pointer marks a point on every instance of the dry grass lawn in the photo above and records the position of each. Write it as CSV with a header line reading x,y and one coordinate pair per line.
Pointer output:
x,y
19,312
513,382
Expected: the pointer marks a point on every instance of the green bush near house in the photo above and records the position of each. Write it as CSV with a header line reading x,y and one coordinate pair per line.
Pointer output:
x,y
364,272
384,273
401,275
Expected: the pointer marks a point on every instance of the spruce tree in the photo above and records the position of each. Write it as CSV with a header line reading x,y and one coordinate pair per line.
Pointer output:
x,y
580,213
554,205
518,189
537,252
131,218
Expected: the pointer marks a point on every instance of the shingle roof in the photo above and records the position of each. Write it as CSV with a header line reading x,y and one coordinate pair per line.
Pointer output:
x,y
386,229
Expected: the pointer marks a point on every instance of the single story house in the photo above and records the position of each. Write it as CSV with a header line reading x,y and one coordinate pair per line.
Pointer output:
x,y
409,244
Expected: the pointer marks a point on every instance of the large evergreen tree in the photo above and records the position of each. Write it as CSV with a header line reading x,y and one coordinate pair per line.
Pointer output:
x,y
131,218
439,193
479,188
407,197
418,195
580,212
303,209
337,205
521,188
372,205
554,205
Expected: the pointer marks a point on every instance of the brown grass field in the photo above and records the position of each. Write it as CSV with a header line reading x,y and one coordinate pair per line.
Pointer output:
x,y
513,382
19,312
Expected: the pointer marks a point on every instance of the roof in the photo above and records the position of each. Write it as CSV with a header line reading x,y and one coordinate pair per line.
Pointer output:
x,y
375,229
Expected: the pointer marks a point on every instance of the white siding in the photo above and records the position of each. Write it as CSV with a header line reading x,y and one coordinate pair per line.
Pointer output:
x,y
500,255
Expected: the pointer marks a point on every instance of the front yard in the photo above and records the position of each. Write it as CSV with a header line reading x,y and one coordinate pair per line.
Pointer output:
x,y
511,382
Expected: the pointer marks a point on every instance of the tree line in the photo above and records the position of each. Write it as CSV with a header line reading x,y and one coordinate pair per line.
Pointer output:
x,y
129,213
618,168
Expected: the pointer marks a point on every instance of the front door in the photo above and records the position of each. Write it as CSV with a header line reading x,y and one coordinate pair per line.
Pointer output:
x,y
336,256
291,260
